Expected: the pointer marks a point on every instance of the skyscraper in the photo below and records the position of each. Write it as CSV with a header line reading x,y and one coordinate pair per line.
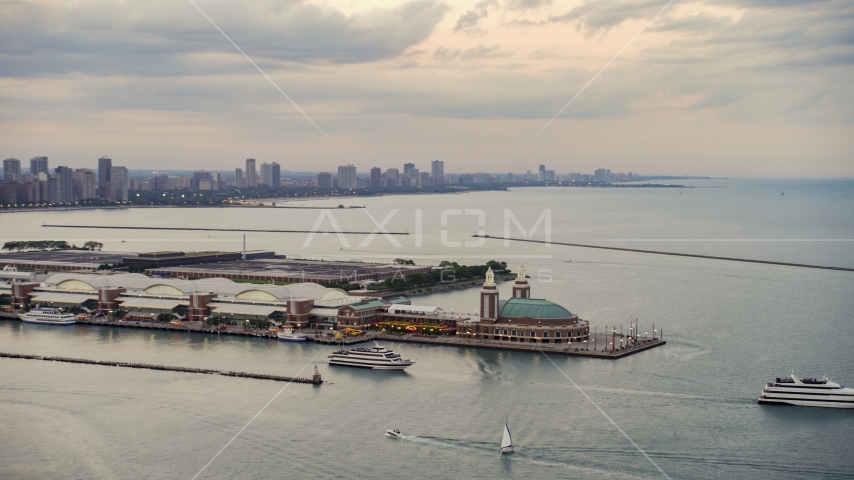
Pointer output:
x,y
239,181
251,174
376,177
541,174
84,184
347,177
271,174
105,164
393,175
324,180
66,184
407,167
119,183
602,175
38,165
11,170
277,175
437,171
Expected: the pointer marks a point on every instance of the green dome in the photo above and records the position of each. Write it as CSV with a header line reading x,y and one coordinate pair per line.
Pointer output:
x,y
531,307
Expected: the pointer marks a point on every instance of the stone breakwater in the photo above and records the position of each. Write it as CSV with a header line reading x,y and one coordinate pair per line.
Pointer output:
x,y
315,380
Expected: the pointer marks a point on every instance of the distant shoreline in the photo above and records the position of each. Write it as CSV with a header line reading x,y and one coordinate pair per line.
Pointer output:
x,y
260,201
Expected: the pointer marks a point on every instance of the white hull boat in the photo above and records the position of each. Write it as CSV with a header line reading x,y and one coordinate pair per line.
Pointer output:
x,y
48,316
807,392
394,433
376,358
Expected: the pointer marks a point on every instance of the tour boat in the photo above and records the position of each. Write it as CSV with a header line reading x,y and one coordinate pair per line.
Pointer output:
x,y
807,392
377,358
394,433
288,335
50,316
507,441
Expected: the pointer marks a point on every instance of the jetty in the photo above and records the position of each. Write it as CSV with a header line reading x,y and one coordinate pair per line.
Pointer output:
x,y
315,380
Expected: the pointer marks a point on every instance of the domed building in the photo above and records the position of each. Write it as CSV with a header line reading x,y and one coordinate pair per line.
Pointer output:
x,y
521,318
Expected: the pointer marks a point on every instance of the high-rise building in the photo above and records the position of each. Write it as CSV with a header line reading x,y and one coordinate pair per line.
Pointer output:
x,y
84,184
324,180
549,175
425,180
541,174
415,175
11,170
105,165
392,173
119,184
276,175
407,167
271,175
376,177
602,175
437,171
251,174
38,165
347,177
239,181
66,184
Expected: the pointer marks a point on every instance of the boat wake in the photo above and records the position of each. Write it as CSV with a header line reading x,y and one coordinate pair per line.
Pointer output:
x,y
439,442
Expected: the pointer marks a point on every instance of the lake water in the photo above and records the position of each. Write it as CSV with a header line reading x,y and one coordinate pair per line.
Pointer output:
x,y
690,405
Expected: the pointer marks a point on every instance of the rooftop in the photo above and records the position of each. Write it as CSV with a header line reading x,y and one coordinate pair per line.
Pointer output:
x,y
532,308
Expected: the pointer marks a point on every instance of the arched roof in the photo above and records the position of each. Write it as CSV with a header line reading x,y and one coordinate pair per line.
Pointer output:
x,y
532,308
178,287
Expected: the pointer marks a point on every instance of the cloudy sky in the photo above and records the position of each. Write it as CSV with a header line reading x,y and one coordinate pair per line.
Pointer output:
x,y
711,87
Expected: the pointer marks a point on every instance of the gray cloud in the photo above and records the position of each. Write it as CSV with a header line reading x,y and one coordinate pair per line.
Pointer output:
x,y
523,5
157,37
468,22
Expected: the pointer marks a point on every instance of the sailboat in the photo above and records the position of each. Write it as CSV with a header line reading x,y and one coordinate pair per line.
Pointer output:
x,y
507,441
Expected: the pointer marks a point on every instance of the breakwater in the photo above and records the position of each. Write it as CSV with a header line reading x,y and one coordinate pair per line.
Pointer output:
x,y
673,254
315,380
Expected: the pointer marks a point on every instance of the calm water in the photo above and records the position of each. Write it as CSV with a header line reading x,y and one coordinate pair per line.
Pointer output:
x,y
690,405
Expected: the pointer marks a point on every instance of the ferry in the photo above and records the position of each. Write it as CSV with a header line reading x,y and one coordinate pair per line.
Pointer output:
x,y
807,392
288,335
50,316
377,358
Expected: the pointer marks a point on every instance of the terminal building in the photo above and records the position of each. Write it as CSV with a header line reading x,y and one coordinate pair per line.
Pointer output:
x,y
143,297
521,318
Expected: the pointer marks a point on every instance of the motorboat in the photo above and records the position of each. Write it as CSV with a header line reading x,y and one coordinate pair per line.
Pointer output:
x,y
807,392
288,335
394,433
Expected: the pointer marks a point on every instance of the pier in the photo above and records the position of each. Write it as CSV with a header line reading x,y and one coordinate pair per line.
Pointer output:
x,y
315,380
571,350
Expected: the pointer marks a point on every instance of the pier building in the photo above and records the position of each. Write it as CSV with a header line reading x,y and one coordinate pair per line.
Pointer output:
x,y
521,318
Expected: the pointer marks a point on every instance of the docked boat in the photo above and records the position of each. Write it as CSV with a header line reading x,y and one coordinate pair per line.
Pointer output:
x,y
49,316
807,392
394,433
507,441
288,335
377,358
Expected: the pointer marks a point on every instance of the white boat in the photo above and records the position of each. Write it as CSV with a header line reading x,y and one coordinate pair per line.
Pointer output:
x,y
394,433
377,358
49,316
807,392
507,441
288,335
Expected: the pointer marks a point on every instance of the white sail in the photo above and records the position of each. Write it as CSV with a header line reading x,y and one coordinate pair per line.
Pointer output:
x,y
506,441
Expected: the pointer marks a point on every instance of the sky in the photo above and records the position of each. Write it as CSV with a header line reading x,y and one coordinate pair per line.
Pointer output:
x,y
714,87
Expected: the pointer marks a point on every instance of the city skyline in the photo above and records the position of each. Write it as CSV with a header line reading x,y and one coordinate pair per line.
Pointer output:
x,y
734,88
